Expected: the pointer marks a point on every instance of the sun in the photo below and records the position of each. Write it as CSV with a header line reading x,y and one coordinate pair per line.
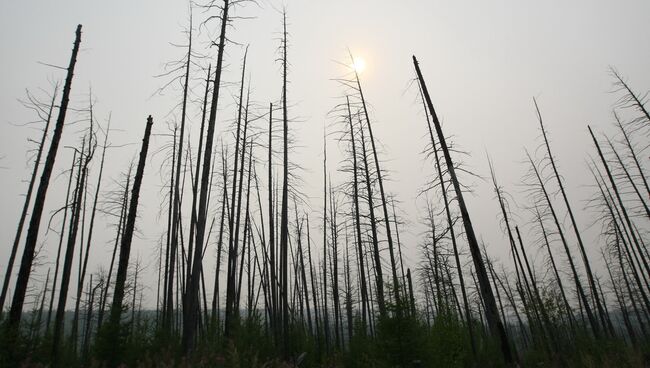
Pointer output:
x,y
358,64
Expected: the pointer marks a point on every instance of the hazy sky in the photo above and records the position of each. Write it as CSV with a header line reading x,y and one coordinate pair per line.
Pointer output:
x,y
483,62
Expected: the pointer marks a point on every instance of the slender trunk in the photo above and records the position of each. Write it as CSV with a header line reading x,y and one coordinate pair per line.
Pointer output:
x,y
621,238
379,279
629,178
348,293
633,154
215,295
23,214
635,101
237,290
284,216
303,275
450,224
496,326
590,275
384,203
90,231
178,192
612,182
61,235
82,173
313,288
190,307
27,260
125,246
410,283
357,219
569,311
235,200
399,243
170,252
39,317
120,231
581,293
326,323
334,270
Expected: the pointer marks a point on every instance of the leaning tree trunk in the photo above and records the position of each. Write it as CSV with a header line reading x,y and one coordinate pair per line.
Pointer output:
x,y
633,154
619,199
590,275
384,204
547,245
23,215
630,178
496,325
450,225
39,202
125,246
580,289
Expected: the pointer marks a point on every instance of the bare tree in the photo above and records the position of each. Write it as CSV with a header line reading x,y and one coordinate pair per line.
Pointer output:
x,y
18,300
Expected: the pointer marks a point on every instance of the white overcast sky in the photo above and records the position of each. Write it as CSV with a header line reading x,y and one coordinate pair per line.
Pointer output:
x,y
483,61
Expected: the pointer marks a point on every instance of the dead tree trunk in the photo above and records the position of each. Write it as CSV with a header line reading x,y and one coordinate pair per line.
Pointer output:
x,y
116,243
61,235
23,215
125,246
191,305
450,224
90,233
581,292
379,278
326,327
384,204
496,325
234,223
284,210
590,275
357,221
27,260
82,173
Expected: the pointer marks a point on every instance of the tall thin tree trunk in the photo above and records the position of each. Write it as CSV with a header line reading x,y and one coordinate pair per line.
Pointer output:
x,y
27,260
633,154
357,220
82,173
90,231
120,230
612,182
61,235
379,279
125,245
581,293
190,307
450,224
233,238
384,204
284,210
590,275
23,214
496,326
